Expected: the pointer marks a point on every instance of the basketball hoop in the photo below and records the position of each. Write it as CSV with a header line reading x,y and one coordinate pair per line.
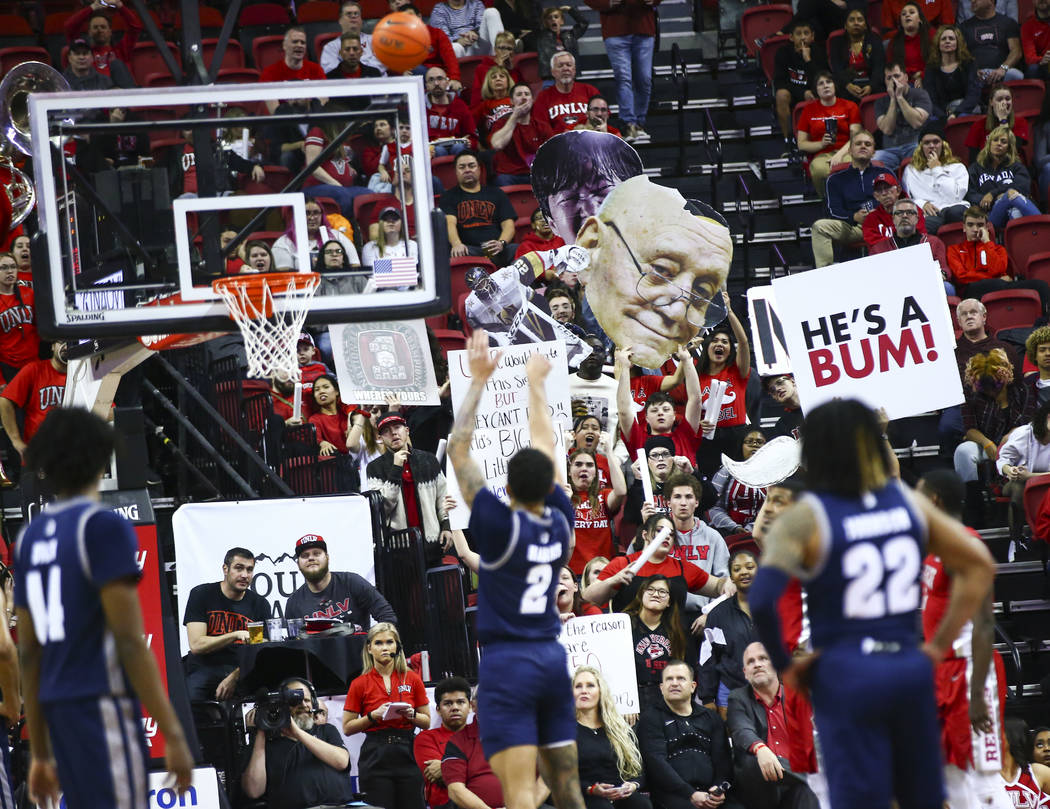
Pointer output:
x,y
270,309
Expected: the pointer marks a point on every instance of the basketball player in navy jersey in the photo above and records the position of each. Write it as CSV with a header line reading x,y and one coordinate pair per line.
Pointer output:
x,y
80,634
857,541
527,710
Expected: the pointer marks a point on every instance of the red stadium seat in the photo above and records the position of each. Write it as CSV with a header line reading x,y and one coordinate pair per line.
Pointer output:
x,y
468,66
867,111
374,9
1038,267
146,58
368,206
528,66
9,57
233,56
1028,95
263,14
15,25
461,313
321,40
437,322
266,50
163,79
522,228
1025,237
522,198
955,132
237,75
761,22
317,11
450,340
1011,309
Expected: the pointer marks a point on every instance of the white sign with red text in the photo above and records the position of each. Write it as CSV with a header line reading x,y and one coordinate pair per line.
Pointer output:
x,y
876,329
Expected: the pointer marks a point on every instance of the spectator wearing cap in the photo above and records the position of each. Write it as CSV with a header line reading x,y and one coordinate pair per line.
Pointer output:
x,y
900,116
109,59
849,198
906,216
936,179
293,65
391,241
878,224
343,596
309,366
81,73
216,619
412,486
661,461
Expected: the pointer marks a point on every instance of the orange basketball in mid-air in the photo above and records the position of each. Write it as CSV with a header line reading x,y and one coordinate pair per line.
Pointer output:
x,y
401,41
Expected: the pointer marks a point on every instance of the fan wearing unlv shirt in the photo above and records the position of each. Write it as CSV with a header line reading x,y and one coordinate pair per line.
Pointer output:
x,y
594,506
970,727
38,387
19,343
563,105
344,597
1026,784
216,619
447,116
526,711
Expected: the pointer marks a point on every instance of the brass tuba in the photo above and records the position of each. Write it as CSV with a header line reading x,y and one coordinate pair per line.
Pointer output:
x,y
20,81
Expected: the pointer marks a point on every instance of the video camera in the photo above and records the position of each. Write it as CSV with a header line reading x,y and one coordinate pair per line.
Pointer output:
x,y
273,709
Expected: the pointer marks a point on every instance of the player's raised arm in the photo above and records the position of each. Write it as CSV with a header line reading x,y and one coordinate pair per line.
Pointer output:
x,y
482,364
541,428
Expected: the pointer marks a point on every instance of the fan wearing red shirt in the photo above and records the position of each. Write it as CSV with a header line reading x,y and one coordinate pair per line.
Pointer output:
x,y
441,53
658,416
448,116
19,343
516,138
294,66
540,238
594,507
825,127
37,388
1035,41
100,32
563,105
389,775
452,697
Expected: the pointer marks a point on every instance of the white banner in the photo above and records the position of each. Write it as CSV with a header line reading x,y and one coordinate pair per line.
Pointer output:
x,y
269,528
203,791
502,424
605,642
767,333
374,360
876,329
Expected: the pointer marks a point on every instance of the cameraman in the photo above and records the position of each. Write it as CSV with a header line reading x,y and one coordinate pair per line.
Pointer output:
x,y
303,764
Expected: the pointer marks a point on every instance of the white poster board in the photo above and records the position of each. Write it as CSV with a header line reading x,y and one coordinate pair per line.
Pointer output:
x,y
502,423
375,360
767,333
605,642
269,528
203,791
876,329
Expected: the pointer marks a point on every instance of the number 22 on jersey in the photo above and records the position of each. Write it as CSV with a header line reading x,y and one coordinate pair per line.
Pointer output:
x,y
881,581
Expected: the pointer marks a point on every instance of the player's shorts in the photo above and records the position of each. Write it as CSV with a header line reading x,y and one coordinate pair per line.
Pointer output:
x,y
877,728
525,696
953,708
100,750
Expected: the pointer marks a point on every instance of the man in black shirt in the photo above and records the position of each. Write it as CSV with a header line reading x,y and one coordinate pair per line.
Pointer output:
x,y
480,218
995,42
351,67
306,765
684,746
217,618
342,596
795,67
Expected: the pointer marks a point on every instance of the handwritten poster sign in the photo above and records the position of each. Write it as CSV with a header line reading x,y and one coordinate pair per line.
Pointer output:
x,y
876,329
605,642
501,426
375,360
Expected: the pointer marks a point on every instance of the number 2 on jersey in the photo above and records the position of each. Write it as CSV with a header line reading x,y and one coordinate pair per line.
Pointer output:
x,y
865,567
534,599
49,617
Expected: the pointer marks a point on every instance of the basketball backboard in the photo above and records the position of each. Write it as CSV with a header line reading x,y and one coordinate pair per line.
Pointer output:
x,y
132,250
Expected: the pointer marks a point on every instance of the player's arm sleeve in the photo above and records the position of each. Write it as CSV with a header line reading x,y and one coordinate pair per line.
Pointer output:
x,y
364,593
653,744
110,548
740,721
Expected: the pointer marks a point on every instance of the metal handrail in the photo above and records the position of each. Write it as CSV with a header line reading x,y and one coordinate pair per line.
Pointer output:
x,y
745,211
777,261
680,79
712,141
1015,656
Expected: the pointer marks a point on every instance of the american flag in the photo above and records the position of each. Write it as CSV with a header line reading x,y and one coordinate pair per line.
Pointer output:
x,y
394,272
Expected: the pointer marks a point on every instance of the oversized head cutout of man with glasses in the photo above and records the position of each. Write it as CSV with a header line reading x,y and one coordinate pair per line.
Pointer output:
x,y
657,264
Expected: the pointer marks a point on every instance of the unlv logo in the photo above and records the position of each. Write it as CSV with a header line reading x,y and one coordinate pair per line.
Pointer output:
x,y
51,396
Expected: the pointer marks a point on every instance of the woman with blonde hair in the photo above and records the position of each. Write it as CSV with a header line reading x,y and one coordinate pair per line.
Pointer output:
x,y
503,47
495,103
936,179
387,702
999,181
609,761
951,75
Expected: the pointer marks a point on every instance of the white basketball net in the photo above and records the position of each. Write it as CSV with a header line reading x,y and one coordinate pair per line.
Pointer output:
x,y
271,343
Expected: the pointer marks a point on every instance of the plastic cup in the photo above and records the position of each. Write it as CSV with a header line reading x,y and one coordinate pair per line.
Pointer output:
x,y
275,629
255,632
295,627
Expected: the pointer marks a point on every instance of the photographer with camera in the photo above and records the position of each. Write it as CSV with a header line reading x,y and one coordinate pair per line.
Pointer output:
x,y
293,760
